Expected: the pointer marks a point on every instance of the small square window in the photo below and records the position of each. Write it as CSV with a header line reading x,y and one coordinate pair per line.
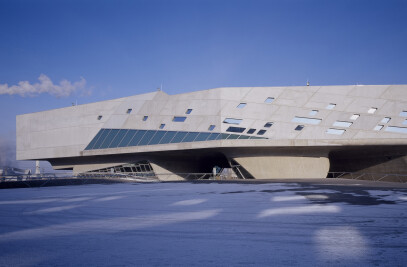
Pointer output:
x,y
313,112
129,111
386,120
250,131
331,106
211,127
188,111
145,118
261,132
268,124
378,127
372,110
354,117
162,125
100,117
269,100
241,105
299,127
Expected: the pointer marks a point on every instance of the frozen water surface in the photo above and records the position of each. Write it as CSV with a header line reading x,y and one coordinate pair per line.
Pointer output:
x,y
203,224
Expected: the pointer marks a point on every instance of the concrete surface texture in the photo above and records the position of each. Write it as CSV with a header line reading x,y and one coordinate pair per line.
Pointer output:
x,y
326,223
337,123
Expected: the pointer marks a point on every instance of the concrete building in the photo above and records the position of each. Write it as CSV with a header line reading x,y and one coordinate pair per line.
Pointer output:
x,y
262,132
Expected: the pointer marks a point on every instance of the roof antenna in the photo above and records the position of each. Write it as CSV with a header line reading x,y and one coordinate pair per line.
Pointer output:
x,y
307,82
160,88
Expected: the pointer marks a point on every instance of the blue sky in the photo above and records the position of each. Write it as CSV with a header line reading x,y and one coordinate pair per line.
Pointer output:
x,y
123,48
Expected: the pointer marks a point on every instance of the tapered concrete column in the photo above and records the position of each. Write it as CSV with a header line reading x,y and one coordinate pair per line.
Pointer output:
x,y
269,167
164,174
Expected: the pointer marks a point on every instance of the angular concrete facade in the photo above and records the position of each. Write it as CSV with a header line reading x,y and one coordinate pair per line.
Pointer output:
x,y
264,132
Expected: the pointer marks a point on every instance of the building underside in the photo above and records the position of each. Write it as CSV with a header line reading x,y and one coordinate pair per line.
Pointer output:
x,y
259,132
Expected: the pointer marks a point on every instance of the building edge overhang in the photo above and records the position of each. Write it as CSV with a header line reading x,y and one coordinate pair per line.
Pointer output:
x,y
328,145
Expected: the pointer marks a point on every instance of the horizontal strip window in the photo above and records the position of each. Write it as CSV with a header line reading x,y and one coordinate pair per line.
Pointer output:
x,y
113,138
235,129
395,129
335,131
232,121
127,138
306,120
119,137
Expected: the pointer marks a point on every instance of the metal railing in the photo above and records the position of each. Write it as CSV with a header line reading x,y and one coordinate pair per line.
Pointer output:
x,y
388,177
152,177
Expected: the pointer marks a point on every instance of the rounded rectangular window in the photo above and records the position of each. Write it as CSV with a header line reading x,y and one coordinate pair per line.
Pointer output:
x,y
241,105
269,100
261,132
145,118
232,121
299,127
251,131
235,129
331,106
371,110
354,117
179,119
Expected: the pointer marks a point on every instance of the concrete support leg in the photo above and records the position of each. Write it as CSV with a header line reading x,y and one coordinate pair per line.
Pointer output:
x,y
269,167
164,174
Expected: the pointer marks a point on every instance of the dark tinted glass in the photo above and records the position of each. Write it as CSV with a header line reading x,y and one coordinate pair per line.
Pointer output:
x,y
157,137
202,137
244,137
146,138
268,124
92,143
214,136
261,132
129,135
190,137
251,131
224,136
233,136
167,138
236,129
109,138
118,138
179,119
101,139
178,138
137,137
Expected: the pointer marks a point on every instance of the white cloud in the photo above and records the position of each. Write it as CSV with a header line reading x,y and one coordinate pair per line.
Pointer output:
x,y
24,88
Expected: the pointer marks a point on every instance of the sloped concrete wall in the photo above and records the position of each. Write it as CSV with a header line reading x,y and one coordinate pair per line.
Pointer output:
x,y
285,167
